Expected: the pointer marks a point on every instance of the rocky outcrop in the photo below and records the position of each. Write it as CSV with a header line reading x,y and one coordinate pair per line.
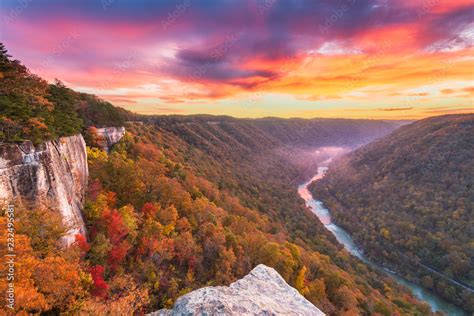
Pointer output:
x,y
53,174
108,136
262,292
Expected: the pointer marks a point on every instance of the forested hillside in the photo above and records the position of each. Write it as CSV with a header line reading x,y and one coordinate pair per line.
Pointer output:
x,y
408,200
268,133
178,204
32,109
260,159
158,229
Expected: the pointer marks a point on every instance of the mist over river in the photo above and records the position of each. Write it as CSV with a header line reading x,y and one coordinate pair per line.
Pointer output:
x,y
317,207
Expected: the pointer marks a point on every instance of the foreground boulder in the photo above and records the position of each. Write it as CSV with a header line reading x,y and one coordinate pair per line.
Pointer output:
x,y
261,292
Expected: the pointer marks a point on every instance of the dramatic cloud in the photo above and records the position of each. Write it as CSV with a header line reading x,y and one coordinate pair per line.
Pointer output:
x,y
193,56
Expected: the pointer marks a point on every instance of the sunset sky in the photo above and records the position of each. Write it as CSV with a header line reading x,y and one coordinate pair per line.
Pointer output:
x,y
346,58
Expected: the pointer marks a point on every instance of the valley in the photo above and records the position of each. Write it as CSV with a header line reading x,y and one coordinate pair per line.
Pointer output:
x,y
317,207
407,200
164,205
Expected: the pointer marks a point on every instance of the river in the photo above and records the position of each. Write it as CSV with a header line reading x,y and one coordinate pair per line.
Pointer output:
x,y
323,214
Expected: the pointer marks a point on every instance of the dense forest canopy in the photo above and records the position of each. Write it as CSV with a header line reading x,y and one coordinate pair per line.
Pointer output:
x,y
178,205
408,199
279,132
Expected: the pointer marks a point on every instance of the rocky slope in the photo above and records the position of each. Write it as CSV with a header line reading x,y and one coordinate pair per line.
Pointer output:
x,y
262,292
53,174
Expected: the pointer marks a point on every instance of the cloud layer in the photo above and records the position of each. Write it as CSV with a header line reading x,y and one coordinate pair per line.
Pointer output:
x,y
322,57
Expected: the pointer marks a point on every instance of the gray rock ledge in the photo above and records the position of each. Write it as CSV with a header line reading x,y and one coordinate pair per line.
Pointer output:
x,y
261,292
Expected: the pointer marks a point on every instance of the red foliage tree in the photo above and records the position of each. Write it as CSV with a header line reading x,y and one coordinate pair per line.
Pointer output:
x,y
100,287
117,254
81,241
116,228
149,210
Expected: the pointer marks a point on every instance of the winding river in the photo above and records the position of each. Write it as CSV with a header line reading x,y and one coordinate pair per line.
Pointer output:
x,y
317,207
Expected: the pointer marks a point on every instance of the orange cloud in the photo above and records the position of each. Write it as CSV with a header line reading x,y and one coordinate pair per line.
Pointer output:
x,y
390,38
447,91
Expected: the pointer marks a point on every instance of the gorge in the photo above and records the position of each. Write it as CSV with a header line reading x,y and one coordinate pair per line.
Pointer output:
x,y
180,204
407,200
317,207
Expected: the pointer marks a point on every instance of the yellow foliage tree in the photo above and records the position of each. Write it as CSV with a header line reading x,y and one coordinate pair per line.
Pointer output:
x,y
27,298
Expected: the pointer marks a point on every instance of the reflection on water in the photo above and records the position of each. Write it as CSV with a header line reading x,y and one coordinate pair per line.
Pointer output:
x,y
317,207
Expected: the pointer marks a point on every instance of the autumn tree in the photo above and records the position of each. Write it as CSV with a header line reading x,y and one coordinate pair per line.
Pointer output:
x,y
100,286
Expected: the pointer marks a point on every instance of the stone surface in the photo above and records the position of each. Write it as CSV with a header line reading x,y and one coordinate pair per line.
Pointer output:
x,y
108,136
262,292
54,174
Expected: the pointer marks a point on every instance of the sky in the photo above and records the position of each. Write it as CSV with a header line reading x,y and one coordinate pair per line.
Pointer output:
x,y
403,59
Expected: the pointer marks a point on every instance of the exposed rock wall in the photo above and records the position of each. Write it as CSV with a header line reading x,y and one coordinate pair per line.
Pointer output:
x,y
53,174
108,136
262,292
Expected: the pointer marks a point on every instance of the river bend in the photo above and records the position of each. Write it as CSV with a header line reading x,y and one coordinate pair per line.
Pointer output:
x,y
323,214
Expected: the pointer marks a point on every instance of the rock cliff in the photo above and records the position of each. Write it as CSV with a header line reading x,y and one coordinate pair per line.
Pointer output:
x,y
262,292
53,174
108,136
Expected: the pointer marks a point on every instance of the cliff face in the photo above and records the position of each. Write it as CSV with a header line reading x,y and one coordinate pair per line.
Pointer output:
x,y
108,136
53,174
262,292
